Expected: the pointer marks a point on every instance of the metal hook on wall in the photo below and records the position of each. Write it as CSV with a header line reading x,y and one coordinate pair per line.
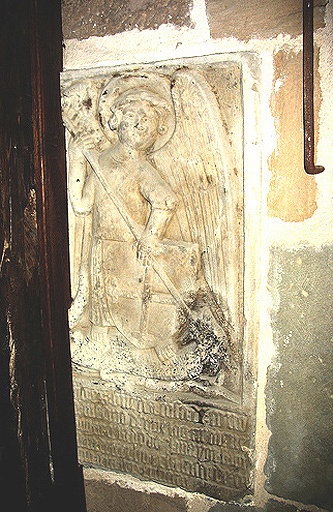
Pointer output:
x,y
308,111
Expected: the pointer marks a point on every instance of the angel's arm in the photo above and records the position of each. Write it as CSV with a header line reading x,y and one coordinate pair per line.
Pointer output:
x,y
163,202
80,180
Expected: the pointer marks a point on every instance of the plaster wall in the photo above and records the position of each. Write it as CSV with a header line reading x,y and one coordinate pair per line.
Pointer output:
x,y
289,212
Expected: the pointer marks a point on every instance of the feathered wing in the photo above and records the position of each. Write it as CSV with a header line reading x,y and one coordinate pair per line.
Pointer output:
x,y
199,164
79,111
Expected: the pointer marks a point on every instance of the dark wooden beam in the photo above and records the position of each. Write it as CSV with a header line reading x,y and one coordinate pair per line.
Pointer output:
x,y
38,455
24,463
51,186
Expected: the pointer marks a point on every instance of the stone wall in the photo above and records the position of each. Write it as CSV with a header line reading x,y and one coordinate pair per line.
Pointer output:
x,y
287,218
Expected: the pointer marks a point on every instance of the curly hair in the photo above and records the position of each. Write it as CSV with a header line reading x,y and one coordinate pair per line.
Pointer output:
x,y
159,104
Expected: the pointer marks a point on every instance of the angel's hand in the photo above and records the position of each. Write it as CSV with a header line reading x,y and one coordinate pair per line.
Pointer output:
x,y
81,142
145,249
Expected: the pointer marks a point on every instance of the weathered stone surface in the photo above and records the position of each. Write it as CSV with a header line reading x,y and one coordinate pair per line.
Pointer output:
x,y
226,507
271,506
280,506
299,388
260,18
85,18
121,494
156,203
152,166
103,497
292,194
199,448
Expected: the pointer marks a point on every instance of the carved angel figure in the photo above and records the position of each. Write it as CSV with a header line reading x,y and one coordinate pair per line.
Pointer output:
x,y
151,173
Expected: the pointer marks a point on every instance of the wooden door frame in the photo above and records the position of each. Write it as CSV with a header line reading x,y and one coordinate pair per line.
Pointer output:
x,y
39,23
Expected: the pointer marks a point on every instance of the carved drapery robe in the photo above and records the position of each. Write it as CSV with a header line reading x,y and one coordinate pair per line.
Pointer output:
x,y
124,293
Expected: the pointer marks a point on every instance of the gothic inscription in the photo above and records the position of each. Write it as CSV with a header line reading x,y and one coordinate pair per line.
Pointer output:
x,y
199,448
155,186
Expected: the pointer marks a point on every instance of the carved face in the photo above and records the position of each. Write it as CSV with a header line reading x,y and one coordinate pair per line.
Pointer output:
x,y
139,125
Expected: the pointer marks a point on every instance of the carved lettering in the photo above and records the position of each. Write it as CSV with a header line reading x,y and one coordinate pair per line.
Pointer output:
x,y
164,441
228,420
155,186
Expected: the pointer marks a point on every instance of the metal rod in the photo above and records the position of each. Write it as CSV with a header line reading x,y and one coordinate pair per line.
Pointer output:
x,y
308,111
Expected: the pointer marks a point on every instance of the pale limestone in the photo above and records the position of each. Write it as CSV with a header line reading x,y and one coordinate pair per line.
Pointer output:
x,y
155,184
156,157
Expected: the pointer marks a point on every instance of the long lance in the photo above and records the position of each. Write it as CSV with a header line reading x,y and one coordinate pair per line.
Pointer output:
x,y
136,229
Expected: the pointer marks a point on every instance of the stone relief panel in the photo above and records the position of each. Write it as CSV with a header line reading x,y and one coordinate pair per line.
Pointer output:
x,y
155,182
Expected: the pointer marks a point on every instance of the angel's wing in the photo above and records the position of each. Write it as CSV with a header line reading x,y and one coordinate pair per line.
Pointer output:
x,y
79,112
199,164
